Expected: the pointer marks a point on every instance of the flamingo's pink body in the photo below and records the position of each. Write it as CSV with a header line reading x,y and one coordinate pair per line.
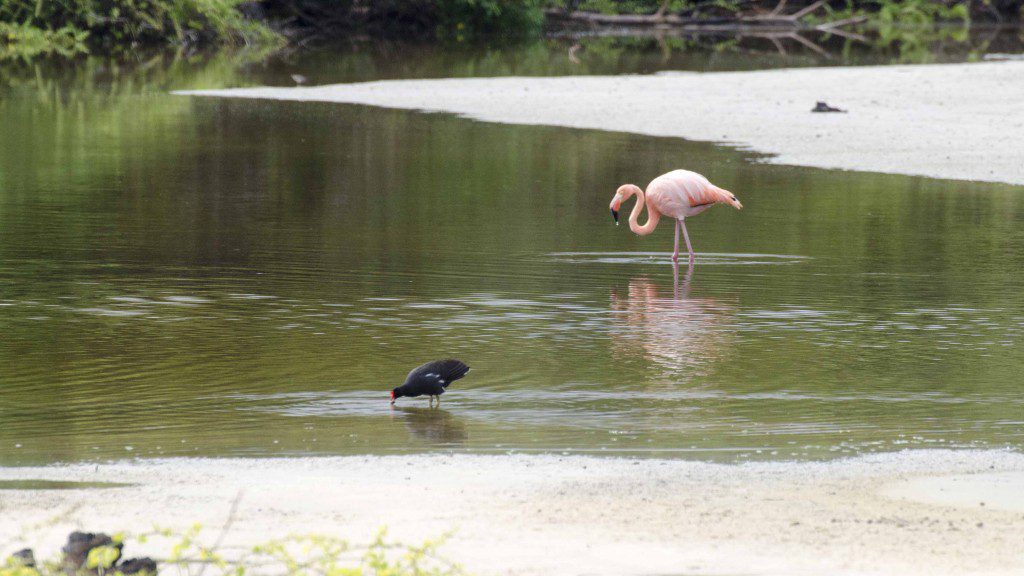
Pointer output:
x,y
676,194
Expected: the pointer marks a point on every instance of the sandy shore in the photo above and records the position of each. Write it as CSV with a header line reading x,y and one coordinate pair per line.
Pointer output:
x,y
880,514
958,121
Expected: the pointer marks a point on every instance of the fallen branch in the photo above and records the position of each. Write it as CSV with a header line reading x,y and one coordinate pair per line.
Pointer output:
x,y
620,19
810,45
778,9
840,23
775,18
801,13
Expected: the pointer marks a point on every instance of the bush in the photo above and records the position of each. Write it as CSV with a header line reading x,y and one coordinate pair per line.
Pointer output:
x,y
469,19
24,41
295,556
452,20
125,23
920,12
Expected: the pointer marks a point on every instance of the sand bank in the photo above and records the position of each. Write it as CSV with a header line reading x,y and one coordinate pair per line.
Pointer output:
x,y
574,515
957,121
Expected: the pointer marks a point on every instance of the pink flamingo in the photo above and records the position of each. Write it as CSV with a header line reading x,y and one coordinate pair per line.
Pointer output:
x,y
678,194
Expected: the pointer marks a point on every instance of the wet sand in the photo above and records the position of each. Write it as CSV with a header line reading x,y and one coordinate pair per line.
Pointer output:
x,y
956,121
518,514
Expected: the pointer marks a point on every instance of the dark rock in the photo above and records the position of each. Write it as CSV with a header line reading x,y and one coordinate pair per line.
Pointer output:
x,y
25,558
137,566
824,107
76,551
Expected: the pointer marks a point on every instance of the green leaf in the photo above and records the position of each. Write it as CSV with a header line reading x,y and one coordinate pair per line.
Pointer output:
x,y
102,557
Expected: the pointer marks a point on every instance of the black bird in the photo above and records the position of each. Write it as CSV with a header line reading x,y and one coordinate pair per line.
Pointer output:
x,y
431,379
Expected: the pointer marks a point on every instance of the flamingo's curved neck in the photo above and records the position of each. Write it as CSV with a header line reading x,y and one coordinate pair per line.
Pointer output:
x,y
641,200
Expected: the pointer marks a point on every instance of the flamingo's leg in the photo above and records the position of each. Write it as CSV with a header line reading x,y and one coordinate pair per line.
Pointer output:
x,y
687,237
675,253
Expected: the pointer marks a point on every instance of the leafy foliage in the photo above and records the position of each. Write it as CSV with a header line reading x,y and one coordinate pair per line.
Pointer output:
x,y
307,555
69,27
25,41
920,12
16,567
102,557
448,20
126,23
464,19
907,13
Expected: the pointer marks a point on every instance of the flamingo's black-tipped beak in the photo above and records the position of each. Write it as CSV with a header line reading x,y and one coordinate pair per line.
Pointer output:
x,y
615,216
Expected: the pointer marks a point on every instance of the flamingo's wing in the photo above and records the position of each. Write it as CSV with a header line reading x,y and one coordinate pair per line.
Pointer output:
x,y
692,190
676,193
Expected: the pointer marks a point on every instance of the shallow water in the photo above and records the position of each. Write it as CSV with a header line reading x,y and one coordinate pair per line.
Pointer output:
x,y
200,277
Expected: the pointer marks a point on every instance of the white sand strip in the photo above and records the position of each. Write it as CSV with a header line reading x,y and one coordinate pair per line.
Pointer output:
x,y
1002,491
958,121
573,515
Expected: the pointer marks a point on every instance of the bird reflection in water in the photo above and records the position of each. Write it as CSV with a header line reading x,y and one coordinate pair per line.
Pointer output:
x,y
434,425
681,334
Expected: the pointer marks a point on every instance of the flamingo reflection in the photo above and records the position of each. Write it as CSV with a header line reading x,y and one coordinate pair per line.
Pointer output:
x,y
678,333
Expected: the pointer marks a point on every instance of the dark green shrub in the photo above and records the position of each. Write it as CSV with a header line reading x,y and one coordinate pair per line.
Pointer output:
x,y
132,22
461,20
24,41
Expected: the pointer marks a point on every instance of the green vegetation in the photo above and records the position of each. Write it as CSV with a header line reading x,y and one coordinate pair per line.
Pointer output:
x,y
34,27
448,20
25,41
908,12
920,12
312,555
464,19
897,13
31,28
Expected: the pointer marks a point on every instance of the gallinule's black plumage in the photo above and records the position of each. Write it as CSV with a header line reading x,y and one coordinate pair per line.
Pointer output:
x,y
430,379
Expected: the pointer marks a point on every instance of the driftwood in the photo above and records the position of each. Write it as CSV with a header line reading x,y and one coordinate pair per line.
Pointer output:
x,y
629,19
775,36
773,19
768,26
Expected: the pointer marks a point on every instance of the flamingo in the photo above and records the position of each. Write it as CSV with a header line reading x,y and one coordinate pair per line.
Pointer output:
x,y
678,194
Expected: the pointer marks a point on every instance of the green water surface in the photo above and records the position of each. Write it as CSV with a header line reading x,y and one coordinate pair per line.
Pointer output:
x,y
185,276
